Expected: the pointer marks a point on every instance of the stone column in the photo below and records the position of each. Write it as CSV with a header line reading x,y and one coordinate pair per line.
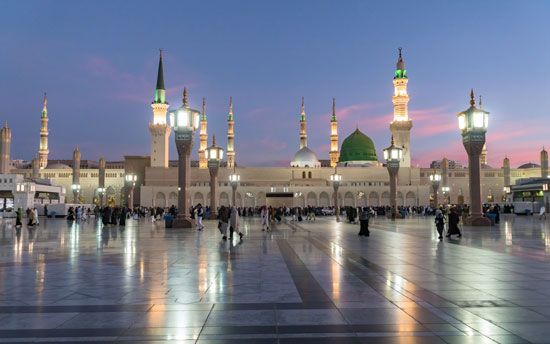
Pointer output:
x,y
393,169
474,146
101,182
76,174
5,149
184,170
213,190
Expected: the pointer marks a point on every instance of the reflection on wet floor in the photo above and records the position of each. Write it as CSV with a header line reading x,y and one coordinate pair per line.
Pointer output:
x,y
302,282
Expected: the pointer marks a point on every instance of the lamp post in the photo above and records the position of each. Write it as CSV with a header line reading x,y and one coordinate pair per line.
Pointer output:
x,y
446,194
435,179
214,155
393,156
336,178
101,192
184,121
473,124
76,192
131,179
234,180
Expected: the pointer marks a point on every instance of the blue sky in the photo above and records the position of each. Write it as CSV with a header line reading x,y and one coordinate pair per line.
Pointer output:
x,y
97,60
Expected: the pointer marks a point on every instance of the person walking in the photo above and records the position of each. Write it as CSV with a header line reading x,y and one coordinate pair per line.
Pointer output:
x,y
364,222
223,221
234,225
454,219
439,223
264,217
36,220
542,213
200,214
19,218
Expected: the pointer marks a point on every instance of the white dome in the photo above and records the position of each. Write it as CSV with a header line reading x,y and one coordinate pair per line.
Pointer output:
x,y
305,157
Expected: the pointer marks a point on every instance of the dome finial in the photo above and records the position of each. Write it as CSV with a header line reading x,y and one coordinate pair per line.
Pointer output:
x,y
303,107
400,51
472,98
213,140
185,99
204,108
392,141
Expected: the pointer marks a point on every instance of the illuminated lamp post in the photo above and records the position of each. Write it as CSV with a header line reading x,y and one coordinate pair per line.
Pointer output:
x,y
131,179
446,194
473,124
393,156
101,192
76,192
336,179
184,121
214,154
435,179
234,180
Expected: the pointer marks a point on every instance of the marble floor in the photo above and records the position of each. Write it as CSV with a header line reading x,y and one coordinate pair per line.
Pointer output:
x,y
307,282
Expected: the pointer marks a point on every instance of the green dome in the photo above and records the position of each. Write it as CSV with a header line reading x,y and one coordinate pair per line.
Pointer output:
x,y
357,147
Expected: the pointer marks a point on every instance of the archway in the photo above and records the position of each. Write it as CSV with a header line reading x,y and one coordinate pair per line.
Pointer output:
x,y
198,198
173,199
260,199
160,200
239,199
311,199
349,200
224,199
410,198
385,199
399,201
373,199
324,200
361,199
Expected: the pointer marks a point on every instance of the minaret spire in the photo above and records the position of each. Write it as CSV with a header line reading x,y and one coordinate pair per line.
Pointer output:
x,y
160,131
43,150
303,126
230,136
334,153
472,98
401,124
185,99
203,137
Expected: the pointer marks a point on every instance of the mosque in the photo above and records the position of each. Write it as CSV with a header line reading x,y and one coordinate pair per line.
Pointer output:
x,y
365,180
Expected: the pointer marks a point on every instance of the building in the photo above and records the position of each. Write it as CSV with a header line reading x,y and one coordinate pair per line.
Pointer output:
x,y
365,180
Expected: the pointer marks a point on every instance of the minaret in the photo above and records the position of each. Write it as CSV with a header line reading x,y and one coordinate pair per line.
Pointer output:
x,y
483,156
5,148
160,131
543,163
444,172
303,126
43,151
203,161
506,171
334,154
230,136
401,124
76,173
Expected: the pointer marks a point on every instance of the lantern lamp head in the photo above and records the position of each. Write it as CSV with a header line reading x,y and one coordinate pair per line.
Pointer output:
x,y
393,153
473,119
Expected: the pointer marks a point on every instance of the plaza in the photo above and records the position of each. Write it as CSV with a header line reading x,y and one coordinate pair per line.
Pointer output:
x,y
302,282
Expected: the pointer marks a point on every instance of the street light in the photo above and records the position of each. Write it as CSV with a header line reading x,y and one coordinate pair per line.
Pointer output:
x,y
184,121
336,179
393,156
473,124
435,179
234,180
214,154
131,179
76,191
101,192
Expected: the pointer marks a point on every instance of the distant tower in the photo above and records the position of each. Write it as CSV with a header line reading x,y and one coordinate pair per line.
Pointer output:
x,y
203,161
483,156
303,126
160,131
401,124
5,148
506,171
76,173
334,154
43,151
230,136
544,163
445,172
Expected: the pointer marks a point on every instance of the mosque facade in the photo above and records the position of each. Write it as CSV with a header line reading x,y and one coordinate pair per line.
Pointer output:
x,y
365,180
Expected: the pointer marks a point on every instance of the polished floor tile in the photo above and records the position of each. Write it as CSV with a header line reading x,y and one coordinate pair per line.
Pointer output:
x,y
302,282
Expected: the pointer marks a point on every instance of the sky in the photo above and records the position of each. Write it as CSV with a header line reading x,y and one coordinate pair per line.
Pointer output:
x,y
97,61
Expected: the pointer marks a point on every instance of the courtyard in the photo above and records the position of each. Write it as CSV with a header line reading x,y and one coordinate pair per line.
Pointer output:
x,y
303,282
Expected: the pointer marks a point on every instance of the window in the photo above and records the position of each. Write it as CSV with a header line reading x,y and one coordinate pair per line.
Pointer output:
x,y
304,175
309,175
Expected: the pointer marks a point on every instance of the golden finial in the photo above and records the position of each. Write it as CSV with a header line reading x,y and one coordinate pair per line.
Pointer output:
x,y
185,97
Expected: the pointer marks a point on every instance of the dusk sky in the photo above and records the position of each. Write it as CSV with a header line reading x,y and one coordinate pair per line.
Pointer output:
x,y
97,60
